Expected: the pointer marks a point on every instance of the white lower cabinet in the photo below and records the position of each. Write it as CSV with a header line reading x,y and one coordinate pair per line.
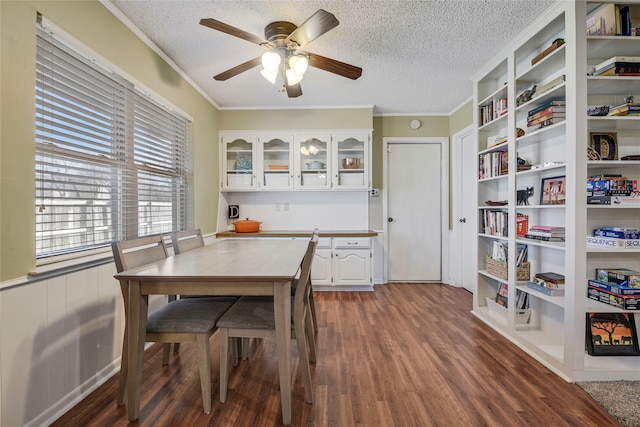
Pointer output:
x,y
321,267
342,263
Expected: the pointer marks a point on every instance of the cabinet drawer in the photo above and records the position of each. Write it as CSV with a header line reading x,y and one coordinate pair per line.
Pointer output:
x,y
351,242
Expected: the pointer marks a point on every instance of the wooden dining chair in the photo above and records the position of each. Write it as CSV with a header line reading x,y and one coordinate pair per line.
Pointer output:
x,y
182,320
312,304
253,316
186,240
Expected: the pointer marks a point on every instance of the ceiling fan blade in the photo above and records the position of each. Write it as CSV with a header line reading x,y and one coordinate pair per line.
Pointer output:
x,y
317,24
236,32
294,91
333,66
232,72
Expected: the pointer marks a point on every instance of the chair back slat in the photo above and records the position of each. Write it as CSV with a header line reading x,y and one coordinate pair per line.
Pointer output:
x,y
186,240
301,295
133,253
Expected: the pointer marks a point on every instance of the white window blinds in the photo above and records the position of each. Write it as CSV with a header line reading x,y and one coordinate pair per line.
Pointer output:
x,y
111,163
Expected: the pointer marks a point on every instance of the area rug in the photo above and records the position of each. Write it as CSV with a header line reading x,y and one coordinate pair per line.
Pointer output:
x,y
619,398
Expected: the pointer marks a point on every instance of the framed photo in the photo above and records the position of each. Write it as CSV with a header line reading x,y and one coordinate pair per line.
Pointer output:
x,y
612,334
605,144
554,191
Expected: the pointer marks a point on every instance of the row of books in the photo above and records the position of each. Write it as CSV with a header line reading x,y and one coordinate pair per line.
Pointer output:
x,y
619,287
522,300
493,164
493,110
611,183
610,19
495,223
548,283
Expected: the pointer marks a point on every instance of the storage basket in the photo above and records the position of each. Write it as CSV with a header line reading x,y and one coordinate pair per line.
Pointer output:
x,y
499,269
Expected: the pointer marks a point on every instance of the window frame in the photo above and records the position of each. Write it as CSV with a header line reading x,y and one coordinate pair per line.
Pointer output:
x,y
181,205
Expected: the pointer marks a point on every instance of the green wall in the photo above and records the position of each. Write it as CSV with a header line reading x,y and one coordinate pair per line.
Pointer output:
x,y
90,22
298,119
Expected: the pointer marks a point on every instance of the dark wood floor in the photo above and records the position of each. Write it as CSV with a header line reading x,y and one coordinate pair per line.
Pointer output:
x,y
404,355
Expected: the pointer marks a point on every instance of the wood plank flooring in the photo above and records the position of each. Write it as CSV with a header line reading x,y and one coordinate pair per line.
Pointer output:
x,y
404,355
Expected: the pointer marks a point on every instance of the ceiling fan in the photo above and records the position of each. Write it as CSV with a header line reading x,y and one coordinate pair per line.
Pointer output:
x,y
284,41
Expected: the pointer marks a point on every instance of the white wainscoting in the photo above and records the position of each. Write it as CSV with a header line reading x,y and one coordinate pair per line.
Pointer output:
x,y
60,339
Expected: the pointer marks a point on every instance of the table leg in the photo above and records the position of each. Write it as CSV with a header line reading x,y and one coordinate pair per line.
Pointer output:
x,y
136,328
282,310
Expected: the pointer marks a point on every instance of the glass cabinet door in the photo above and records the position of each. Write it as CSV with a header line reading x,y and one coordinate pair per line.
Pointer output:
x,y
277,162
239,163
314,170
351,159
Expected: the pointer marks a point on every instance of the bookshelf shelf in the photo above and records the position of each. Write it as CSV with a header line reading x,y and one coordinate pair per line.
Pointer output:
x,y
555,300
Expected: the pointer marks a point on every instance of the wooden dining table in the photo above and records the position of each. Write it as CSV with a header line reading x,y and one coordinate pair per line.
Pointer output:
x,y
226,267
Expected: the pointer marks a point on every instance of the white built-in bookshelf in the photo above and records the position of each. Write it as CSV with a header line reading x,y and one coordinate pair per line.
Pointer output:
x,y
556,150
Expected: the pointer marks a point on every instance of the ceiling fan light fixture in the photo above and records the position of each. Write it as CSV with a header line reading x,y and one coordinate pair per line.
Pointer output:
x,y
269,75
292,77
299,64
271,61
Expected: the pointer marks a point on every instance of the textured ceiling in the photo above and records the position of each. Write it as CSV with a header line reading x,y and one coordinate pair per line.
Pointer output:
x,y
418,57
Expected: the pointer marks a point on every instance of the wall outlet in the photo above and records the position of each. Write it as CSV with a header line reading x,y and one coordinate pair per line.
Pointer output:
x,y
375,192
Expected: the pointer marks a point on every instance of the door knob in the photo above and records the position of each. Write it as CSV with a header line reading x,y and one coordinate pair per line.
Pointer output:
x,y
390,219
463,220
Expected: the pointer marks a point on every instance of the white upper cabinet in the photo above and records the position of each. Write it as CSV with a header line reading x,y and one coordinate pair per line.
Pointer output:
x,y
351,164
238,157
313,156
317,161
276,169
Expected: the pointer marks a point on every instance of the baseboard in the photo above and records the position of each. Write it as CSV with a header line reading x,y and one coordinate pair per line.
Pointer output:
x,y
63,405
341,288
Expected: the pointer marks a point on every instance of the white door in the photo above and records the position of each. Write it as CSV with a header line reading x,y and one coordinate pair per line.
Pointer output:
x,y
414,199
464,209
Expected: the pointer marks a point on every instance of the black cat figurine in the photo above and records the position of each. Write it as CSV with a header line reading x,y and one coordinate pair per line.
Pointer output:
x,y
523,196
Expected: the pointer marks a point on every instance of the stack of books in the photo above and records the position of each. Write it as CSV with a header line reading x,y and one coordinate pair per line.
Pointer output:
x,y
548,283
550,112
612,189
626,109
618,287
619,66
615,238
618,232
494,140
547,233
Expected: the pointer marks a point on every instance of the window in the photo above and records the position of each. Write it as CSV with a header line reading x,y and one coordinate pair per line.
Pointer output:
x,y
111,162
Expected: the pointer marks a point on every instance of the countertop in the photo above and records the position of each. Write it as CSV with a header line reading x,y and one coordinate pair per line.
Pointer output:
x,y
300,233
